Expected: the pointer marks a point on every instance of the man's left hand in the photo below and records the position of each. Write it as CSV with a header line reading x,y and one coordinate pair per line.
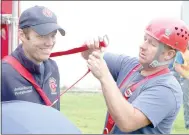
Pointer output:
x,y
97,65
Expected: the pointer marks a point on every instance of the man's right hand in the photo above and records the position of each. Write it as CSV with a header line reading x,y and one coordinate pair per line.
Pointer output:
x,y
93,45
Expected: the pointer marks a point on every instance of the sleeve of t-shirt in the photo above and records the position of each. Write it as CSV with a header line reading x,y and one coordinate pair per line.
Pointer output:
x,y
155,103
179,59
116,62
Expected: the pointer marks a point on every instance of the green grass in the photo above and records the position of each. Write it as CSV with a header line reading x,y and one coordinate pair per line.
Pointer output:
x,y
87,111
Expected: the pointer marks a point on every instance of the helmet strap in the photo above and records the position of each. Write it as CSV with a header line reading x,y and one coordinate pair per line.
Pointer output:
x,y
155,63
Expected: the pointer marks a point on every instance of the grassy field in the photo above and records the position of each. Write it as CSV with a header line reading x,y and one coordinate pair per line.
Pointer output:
x,y
87,112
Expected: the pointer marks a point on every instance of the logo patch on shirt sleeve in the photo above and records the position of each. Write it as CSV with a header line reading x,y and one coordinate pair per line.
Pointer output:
x,y
52,85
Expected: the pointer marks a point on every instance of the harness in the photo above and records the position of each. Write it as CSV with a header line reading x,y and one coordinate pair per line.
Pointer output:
x,y
110,122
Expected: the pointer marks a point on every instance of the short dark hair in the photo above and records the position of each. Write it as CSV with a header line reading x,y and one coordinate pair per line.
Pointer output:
x,y
26,32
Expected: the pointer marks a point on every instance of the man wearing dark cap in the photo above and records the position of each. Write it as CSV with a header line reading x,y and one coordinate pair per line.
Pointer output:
x,y
37,30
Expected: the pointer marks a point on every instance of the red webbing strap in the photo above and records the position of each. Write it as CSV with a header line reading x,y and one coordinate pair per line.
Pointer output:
x,y
134,86
75,50
27,75
71,51
110,122
70,87
16,64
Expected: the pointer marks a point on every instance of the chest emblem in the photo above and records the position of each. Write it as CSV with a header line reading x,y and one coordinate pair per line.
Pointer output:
x,y
53,85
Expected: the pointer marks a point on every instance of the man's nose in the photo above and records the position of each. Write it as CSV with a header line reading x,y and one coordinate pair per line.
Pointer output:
x,y
144,45
49,41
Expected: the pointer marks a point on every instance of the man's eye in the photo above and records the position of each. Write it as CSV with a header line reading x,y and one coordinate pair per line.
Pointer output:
x,y
149,41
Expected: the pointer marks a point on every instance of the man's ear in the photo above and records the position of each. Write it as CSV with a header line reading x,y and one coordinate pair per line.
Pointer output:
x,y
170,54
21,35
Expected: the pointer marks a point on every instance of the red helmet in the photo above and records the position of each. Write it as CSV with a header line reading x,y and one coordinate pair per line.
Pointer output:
x,y
172,32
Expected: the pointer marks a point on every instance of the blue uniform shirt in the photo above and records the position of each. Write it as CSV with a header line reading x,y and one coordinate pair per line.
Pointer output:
x,y
15,87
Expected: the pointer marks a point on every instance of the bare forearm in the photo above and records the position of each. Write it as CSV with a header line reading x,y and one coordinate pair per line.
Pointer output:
x,y
121,110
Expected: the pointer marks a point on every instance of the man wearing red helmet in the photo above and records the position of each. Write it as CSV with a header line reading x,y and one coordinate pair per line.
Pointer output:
x,y
141,95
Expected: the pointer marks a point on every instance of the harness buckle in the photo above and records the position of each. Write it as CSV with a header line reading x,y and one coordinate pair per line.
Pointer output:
x,y
106,130
128,93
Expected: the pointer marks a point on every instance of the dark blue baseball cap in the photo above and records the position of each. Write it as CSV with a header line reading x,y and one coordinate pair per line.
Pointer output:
x,y
42,20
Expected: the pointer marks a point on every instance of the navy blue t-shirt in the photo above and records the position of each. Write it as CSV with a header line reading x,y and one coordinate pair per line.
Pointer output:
x,y
159,98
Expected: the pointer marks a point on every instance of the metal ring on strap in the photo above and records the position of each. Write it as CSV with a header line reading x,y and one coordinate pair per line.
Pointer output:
x,y
106,39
